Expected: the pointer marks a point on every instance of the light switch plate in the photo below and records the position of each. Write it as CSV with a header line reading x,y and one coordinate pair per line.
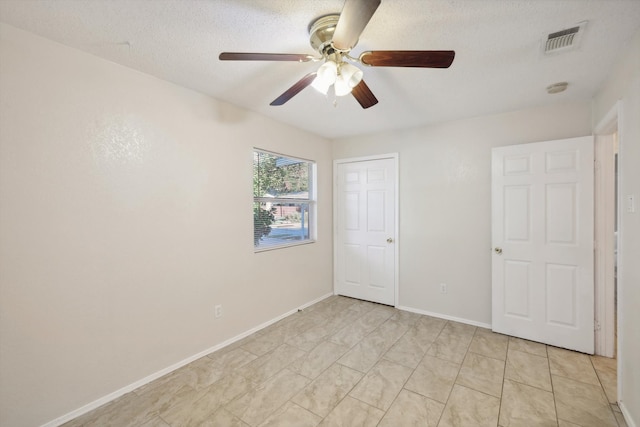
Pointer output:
x,y
631,206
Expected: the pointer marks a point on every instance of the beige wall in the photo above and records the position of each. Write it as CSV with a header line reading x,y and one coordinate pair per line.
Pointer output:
x,y
116,240
445,201
623,85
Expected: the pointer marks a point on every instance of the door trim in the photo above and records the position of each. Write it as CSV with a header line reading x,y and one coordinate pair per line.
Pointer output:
x,y
604,274
396,207
611,122
604,295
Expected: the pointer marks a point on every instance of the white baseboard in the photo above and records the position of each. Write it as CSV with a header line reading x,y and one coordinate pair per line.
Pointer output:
x,y
445,316
129,388
627,416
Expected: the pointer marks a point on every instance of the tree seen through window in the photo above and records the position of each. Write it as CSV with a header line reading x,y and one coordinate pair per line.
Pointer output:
x,y
282,199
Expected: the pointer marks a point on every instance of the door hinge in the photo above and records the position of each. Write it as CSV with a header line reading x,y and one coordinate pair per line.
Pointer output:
x,y
596,326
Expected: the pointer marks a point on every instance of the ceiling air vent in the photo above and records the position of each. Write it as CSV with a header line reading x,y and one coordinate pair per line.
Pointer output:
x,y
563,40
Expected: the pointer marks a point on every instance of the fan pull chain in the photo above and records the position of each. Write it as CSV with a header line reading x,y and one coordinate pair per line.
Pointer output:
x,y
331,93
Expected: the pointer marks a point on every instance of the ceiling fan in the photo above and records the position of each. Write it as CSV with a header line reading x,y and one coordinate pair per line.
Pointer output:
x,y
333,37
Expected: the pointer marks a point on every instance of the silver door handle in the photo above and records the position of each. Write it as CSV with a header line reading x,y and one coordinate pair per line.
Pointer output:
x,y
498,251
389,240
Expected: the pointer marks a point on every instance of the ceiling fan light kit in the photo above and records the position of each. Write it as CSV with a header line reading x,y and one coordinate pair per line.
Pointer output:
x,y
341,87
343,77
326,76
350,74
333,37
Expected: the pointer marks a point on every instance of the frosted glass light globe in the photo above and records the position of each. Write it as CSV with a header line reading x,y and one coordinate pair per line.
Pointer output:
x,y
325,77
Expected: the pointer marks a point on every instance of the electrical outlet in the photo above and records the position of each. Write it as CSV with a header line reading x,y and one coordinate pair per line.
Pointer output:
x,y
443,288
218,311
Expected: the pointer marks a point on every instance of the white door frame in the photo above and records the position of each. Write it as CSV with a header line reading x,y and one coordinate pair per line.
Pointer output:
x,y
605,245
609,124
396,207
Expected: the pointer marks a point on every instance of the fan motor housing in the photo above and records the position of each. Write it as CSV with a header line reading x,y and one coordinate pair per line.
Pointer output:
x,y
321,32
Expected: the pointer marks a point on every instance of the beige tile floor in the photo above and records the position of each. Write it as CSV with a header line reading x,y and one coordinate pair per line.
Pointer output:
x,y
345,362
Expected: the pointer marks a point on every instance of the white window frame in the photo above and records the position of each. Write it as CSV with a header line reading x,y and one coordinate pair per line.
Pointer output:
x,y
311,201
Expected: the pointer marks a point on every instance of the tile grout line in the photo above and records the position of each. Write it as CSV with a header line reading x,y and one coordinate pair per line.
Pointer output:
x,y
553,392
504,379
425,355
603,390
454,381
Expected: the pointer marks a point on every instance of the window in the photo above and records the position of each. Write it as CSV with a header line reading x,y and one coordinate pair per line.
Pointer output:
x,y
283,200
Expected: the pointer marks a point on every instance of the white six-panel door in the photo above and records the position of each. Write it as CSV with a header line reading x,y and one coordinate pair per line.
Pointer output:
x,y
365,230
542,232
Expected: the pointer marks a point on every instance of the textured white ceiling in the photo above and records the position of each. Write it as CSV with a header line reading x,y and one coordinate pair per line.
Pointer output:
x,y
498,65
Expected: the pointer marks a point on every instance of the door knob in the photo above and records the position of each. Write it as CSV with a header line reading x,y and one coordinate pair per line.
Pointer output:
x,y
389,240
498,251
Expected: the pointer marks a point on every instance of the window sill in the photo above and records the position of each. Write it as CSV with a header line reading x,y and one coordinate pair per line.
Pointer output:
x,y
282,246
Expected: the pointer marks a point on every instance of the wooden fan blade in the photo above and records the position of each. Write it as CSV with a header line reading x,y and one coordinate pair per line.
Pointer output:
x,y
408,58
363,95
295,89
354,17
242,56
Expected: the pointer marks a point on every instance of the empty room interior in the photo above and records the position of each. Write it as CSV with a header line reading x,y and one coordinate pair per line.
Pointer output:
x,y
455,242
